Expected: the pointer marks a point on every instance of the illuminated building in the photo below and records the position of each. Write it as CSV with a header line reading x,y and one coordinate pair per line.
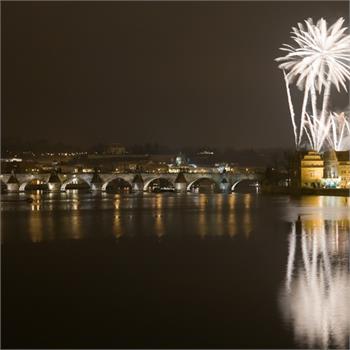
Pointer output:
x,y
331,177
181,160
344,168
311,170
181,164
330,170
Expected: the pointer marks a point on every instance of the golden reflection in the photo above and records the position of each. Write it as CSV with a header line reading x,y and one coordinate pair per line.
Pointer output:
x,y
159,201
35,206
159,224
247,216
313,225
219,202
334,201
36,203
231,222
202,224
219,227
35,228
232,201
76,232
203,201
73,196
117,227
247,223
316,296
247,200
232,225
75,204
312,201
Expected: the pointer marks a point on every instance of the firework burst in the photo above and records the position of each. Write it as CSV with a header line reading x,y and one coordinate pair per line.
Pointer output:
x,y
319,60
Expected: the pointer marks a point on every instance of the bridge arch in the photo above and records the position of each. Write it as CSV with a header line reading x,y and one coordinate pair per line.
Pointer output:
x,y
237,182
214,184
36,183
234,185
118,183
158,182
75,183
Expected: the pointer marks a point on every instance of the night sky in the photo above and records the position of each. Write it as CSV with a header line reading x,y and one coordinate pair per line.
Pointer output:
x,y
174,73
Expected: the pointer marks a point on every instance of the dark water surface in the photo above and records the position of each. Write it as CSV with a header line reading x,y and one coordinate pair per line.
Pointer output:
x,y
175,271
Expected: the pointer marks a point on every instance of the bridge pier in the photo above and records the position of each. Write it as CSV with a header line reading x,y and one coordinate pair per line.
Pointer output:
x,y
181,183
54,183
12,183
137,183
96,187
54,186
12,187
96,182
224,186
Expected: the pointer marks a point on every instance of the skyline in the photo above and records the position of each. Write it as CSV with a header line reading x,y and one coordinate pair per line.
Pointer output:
x,y
107,73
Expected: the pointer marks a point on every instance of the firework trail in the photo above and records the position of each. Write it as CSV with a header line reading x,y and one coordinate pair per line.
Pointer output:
x,y
319,60
340,130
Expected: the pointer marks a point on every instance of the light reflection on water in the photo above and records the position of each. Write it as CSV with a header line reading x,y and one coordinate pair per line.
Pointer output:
x,y
315,295
66,215
315,299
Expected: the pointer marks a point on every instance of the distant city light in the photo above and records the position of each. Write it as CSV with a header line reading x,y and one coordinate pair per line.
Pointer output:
x,y
206,152
11,160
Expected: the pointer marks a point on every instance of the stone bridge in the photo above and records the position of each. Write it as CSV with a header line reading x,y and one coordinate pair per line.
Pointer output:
x,y
181,182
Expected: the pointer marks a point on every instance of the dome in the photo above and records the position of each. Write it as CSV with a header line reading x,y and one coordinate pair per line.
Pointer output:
x,y
180,159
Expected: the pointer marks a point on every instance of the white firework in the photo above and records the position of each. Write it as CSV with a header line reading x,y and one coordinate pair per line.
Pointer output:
x,y
319,60
340,131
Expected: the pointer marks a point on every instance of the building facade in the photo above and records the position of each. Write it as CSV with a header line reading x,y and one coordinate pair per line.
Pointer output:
x,y
344,168
328,170
311,170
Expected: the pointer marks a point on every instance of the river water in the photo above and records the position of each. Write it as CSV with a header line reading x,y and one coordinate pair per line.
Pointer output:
x,y
241,270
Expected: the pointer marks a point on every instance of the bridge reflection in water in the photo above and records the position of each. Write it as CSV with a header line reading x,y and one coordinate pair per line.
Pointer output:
x,y
55,216
315,299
